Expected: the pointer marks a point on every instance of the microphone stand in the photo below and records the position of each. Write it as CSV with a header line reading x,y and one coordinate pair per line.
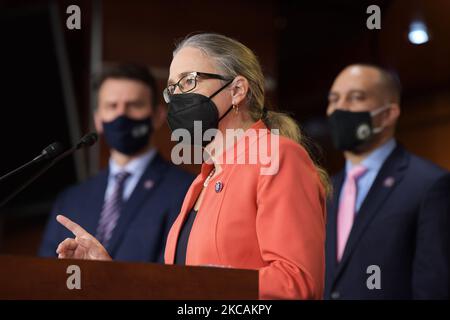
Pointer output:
x,y
47,153
86,141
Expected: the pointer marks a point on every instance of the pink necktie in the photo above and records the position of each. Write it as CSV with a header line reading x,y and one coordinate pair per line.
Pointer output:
x,y
346,212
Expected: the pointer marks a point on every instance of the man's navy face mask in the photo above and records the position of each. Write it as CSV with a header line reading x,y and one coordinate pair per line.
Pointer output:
x,y
126,135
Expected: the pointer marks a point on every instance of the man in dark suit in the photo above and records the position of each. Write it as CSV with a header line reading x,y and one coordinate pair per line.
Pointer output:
x,y
388,220
131,205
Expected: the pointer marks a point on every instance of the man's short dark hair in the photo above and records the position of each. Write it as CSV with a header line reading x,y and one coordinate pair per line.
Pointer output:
x,y
129,71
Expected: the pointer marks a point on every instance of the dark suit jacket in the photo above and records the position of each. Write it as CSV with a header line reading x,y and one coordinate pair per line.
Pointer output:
x,y
148,214
402,227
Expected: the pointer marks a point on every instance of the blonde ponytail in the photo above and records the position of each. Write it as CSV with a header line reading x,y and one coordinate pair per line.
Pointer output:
x,y
289,128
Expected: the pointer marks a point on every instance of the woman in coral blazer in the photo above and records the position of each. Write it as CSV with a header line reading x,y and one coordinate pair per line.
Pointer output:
x,y
238,213
274,223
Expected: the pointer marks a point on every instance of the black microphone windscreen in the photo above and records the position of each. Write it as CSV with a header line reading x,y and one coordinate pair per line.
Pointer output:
x,y
88,140
52,150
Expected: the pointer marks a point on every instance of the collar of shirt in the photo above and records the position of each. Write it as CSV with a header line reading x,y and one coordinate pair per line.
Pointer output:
x,y
373,163
135,168
376,158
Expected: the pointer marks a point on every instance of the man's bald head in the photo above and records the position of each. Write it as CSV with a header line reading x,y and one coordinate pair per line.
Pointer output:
x,y
385,81
363,87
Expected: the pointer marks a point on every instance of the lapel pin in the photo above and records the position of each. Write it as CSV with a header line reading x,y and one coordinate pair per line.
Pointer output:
x,y
389,182
148,184
218,186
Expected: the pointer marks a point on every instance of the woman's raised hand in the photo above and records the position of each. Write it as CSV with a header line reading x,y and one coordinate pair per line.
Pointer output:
x,y
83,246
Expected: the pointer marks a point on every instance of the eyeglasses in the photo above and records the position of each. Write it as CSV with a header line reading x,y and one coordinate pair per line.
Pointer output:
x,y
188,83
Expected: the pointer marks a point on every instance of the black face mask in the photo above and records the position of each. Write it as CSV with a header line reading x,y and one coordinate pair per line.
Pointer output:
x,y
126,135
350,130
186,108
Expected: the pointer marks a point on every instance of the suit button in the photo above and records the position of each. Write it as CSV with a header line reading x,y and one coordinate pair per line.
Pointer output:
x,y
335,295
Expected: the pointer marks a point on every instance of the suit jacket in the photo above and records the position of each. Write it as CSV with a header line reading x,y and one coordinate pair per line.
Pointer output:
x,y
273,223
146,218
402,227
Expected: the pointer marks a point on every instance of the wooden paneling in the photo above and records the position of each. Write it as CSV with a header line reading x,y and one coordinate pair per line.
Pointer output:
x,y
424,128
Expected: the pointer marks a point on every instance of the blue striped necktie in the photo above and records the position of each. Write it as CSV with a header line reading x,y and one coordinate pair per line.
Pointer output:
x,y
111,209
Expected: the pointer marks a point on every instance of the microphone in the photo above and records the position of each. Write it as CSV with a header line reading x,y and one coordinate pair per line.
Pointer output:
x,y
49,152
86,141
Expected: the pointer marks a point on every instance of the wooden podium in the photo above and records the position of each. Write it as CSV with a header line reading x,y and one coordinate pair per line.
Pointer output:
x,y
44,278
